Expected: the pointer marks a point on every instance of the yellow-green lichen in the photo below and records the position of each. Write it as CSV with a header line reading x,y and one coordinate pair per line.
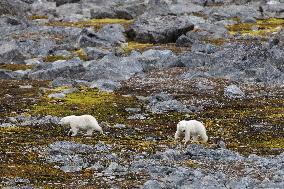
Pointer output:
x,y
132,45
53,58
96,23
81,54
263,28
35,17
14,67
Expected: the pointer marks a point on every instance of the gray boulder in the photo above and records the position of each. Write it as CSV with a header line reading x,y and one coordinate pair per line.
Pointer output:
x,y
157,59
105,85
109,36
10,53
159,29
152,184
233,91
161,103
113,68
62,68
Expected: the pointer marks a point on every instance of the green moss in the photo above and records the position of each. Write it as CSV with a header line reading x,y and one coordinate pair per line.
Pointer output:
x,y
261,28
96,23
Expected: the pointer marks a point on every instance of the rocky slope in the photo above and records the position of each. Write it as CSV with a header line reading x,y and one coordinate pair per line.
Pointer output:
x,y
140,66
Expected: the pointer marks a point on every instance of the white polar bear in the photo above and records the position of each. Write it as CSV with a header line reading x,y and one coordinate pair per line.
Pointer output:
x,y
84,122
191,128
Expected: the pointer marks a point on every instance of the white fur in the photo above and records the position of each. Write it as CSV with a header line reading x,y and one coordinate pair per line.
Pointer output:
x,y
84,122
191,128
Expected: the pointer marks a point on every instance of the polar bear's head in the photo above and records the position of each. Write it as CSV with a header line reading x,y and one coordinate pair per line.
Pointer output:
x,y
66,120
181,127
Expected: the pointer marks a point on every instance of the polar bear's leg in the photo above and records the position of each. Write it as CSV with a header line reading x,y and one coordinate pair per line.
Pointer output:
x,y
74,129
186,137
176,135
89,132
194,138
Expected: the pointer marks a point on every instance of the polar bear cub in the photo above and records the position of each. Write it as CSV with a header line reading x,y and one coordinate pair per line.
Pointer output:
x,y
84,122
191,128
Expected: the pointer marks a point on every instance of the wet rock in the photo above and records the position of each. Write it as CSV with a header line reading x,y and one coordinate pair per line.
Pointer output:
x,y
159,29
10,53
152,184
233,91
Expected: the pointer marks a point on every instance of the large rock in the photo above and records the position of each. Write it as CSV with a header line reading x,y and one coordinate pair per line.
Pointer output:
x,y
10,53
62,68
13,7
113,68
107,37
233,91
160,28
157,59
162,102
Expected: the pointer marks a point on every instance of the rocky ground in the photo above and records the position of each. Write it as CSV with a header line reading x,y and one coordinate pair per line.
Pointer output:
x,y
140,66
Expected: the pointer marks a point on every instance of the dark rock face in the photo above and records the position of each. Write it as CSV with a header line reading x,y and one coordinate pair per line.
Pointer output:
x,y
159,29
61,2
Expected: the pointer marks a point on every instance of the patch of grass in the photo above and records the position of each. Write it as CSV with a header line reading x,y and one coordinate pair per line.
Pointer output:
x,y
261,28
96,23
